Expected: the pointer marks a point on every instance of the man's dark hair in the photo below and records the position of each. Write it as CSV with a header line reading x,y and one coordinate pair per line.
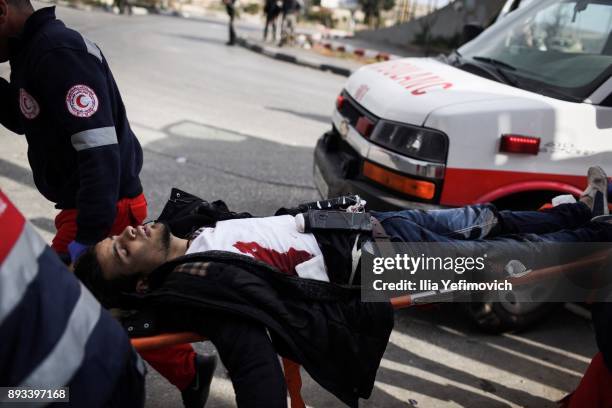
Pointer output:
x,y
108,292
21,4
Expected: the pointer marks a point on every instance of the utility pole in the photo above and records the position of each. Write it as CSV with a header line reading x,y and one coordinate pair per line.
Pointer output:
x,y
407,7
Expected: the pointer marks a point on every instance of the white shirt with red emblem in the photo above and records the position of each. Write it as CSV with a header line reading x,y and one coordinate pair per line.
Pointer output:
x,y
273,240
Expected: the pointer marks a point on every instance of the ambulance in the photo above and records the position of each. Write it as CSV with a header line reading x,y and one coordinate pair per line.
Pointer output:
x,y
514,117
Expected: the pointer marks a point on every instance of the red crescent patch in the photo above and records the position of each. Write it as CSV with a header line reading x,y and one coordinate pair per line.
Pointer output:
x,y
28,105
81,101
78,101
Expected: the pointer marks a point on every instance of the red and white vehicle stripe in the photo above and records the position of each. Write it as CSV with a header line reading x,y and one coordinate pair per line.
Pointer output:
x,y
20,251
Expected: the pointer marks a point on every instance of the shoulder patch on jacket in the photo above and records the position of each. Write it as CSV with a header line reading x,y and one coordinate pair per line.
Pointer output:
x,y
28,105
81,101
193,268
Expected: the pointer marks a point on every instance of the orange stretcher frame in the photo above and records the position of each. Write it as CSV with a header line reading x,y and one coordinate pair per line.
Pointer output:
x,y
292,372
171,339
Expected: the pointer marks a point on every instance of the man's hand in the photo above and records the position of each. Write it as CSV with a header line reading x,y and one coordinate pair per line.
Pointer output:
x,y
76,249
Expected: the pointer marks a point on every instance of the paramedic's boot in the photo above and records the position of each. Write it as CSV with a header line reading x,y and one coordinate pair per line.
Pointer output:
x,y
596,193
196,394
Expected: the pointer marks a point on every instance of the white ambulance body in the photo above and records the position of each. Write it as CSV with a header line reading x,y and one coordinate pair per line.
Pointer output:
x,y
515,116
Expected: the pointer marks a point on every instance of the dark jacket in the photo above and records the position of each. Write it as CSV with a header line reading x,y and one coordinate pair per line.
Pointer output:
x,y
325,327
62,95
271,8
290,6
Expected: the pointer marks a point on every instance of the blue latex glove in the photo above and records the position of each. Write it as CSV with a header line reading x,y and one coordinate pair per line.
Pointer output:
x,y
76,249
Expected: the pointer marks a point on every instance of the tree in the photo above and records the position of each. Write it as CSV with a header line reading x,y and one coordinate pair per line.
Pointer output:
x,y
372,8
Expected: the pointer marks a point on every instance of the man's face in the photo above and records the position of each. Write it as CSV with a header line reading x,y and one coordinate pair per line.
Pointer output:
x,y
136,251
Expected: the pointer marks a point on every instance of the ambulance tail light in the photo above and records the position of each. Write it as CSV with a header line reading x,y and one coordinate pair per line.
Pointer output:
x,y
399,182
340,101
519,144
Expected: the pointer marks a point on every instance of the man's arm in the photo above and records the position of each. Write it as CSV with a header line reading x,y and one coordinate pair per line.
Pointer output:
x,y
75,89
9,112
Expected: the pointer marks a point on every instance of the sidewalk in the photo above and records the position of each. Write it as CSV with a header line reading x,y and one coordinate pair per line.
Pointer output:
x,y
379,47
352,53
300,56
340,65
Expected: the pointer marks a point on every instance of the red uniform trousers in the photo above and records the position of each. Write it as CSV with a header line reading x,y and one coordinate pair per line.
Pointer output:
x,y
175,363
595,388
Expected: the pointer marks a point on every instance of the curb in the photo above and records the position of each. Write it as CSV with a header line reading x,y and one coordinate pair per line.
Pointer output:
x,y
361,52
281,56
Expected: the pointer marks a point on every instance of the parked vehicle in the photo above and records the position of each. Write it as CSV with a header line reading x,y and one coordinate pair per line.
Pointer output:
x,y
513,117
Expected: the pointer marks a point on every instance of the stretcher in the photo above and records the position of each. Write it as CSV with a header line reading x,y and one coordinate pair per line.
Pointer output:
x,y
292,371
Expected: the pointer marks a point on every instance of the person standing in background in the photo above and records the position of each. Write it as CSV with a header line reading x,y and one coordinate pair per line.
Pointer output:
x,y
231,12
272,10
290,10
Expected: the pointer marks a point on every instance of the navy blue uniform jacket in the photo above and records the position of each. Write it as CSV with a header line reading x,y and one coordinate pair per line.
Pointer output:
x,y
63,97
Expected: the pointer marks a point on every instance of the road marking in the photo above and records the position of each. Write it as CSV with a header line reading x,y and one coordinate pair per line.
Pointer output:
x,y
426,375
203,132
578,310
474,367
422,399
546,347
515,353
147,135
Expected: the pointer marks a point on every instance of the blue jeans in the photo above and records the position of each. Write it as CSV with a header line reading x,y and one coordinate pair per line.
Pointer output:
x,y
564,223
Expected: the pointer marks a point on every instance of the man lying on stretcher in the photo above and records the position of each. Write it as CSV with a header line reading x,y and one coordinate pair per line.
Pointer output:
x,y
222,281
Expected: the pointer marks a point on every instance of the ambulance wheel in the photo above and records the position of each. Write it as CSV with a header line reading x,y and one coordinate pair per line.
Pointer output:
x,y
500,317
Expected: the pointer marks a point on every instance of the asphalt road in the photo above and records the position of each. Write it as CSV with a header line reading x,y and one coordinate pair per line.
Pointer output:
x,y
225,123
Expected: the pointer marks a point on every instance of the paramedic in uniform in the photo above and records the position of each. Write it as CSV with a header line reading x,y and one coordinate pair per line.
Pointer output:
x,y
53,333
83,154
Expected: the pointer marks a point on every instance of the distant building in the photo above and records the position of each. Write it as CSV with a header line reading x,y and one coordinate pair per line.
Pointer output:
x,y
340,4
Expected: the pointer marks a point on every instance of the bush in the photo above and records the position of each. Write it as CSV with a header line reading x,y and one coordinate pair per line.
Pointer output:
x,y
252,8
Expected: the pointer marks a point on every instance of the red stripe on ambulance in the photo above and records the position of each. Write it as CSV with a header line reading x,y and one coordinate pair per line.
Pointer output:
x,y
11,225
467,186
